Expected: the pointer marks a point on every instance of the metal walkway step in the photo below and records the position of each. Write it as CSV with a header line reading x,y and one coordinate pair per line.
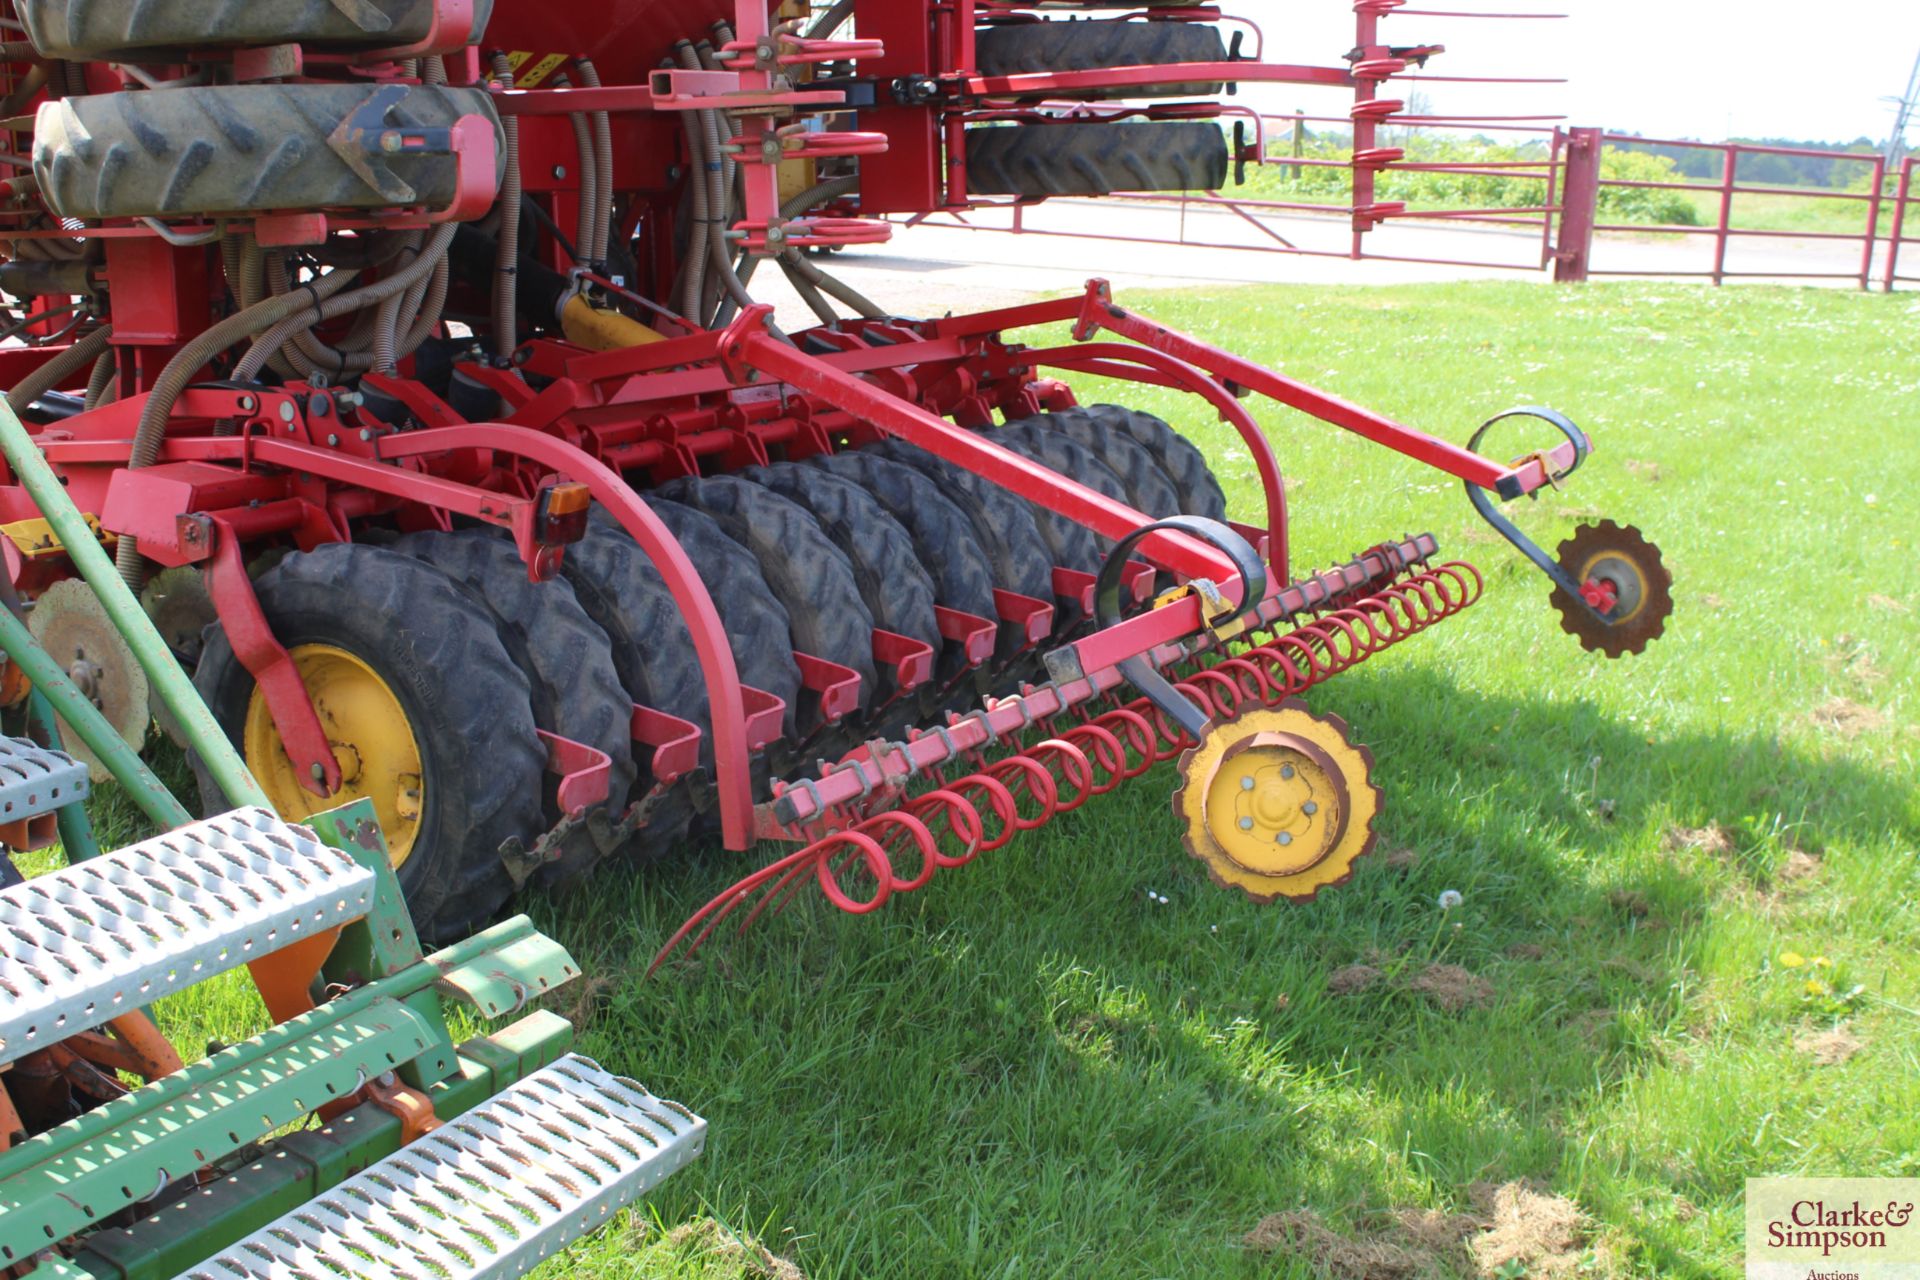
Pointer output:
x,y
100,938
34,781
492,1193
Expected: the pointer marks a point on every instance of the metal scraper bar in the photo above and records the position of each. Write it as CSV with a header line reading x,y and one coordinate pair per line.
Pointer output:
x,y
491,1194
90,941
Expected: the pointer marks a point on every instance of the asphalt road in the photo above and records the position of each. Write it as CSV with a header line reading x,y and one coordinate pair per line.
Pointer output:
x,y
960,268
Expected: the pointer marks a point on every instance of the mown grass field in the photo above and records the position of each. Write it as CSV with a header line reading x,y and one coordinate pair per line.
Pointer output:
x,y
1687,929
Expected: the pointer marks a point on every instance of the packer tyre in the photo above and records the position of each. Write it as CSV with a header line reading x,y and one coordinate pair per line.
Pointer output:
x,y
652,652
1022,47
566,657
1075,545
944,538
1003,524
425,706
811,577
1095,159
1193,480
757,627
1148,488
898,591
83,30
241,149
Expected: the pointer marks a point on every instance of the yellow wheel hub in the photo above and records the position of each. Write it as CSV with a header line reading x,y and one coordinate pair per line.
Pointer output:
x,y
1277,803
372,741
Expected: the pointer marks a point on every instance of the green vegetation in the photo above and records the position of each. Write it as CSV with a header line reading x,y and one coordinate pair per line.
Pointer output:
x,y
1485,189
1490,188
1688,930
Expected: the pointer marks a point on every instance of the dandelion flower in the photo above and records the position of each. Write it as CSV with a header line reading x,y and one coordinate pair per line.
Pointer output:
x,y
1815,987
1450,898
1821,962
1791,960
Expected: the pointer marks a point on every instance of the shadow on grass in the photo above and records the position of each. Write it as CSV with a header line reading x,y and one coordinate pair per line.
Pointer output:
x,y
1030,1055
1032,1059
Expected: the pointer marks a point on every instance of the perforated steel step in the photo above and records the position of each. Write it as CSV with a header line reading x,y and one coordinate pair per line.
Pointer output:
x,y
94,940
34,781
492,1193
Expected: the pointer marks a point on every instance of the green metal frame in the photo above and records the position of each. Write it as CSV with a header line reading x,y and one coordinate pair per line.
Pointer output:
x,y
120,1155
202,731
219,1115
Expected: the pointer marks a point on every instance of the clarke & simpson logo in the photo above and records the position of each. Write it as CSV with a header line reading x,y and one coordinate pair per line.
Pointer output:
x,y
1833,1229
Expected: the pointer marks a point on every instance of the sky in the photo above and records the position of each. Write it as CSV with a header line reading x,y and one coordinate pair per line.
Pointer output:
x,y
1709,69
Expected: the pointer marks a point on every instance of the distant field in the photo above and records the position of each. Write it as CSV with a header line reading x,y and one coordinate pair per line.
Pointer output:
x,y
1688,948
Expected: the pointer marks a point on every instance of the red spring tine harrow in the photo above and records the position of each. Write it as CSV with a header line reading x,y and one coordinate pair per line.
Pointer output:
x,y
956,821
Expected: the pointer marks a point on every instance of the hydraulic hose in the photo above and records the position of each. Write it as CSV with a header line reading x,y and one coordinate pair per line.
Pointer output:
x,y
100,383
59,369
598,244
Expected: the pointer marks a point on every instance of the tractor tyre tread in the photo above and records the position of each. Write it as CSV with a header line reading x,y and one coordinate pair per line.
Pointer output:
x,y
944,539
94,30
896,586
1029,438
1098,45
652,651
239,149
1095,159
1003,524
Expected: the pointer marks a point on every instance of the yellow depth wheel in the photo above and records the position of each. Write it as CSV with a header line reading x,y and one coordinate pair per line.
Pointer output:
x,y
1277,803
371,738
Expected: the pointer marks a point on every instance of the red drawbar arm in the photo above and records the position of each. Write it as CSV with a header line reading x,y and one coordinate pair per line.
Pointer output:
x,y
1099,311
750,351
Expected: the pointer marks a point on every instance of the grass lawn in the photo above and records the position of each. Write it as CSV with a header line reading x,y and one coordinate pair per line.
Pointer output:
x,y
1031,1069
1764,212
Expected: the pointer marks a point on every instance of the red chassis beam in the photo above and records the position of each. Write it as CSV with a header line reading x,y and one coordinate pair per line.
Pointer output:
x,y
1070,84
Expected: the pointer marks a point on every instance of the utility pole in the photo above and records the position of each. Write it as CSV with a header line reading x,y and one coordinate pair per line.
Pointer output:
x,y
1907,105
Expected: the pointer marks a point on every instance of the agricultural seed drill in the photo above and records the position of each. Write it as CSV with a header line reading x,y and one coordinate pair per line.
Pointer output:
x,y
405,356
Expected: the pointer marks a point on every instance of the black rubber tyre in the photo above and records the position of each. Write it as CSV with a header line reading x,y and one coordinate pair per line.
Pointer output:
x,y
651,650
944,539
566,657
465,701
1179,457
898,591
82,30
1075,545
757,627
1003,523
1021,47
1148,488
1095,159
239,149
810,576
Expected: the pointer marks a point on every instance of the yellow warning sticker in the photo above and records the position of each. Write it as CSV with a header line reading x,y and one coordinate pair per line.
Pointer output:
x,y
518,59
539,71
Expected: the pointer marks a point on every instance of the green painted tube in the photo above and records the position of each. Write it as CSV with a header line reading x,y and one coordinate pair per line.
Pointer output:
x,y
196,721
121,760
76,833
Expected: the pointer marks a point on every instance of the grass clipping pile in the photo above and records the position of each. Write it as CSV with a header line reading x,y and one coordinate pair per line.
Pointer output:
x,y
1514,1230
